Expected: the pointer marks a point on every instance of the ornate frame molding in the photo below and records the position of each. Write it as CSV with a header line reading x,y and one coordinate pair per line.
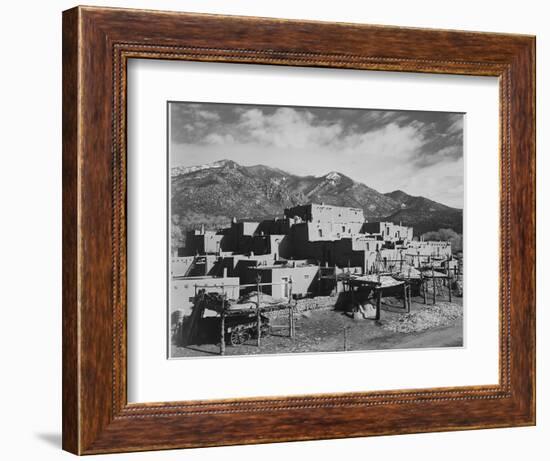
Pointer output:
x,y
97,45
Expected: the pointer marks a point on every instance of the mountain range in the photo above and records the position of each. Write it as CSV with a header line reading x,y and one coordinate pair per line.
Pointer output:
x,y
212,194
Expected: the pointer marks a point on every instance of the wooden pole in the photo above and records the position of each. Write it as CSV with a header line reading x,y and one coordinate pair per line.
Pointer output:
x,y
449,283
378,302
222,334
408,298
290,289
258,312
405,303
222,325
291,310
423,287
319,280
433,280
352,297
290,321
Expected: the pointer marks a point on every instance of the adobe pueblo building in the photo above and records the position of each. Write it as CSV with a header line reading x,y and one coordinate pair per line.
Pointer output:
x,y
312,250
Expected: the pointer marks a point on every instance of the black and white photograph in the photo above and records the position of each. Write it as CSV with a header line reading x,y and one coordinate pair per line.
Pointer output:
x,y
313,229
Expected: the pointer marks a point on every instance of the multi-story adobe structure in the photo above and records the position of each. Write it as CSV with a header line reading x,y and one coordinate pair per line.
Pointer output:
x,y
242,237
320,222
201,242
294,246
389,232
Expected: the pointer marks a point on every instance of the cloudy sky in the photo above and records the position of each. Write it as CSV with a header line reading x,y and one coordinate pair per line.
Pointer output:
x,y
420,153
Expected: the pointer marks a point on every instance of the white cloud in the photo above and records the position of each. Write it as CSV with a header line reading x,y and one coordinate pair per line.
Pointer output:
x,y
207,115
219,139
286,128
390,143
457,126
386,158
443,182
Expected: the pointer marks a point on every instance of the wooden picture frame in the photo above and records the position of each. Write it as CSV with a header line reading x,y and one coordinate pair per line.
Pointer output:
x,y
97,43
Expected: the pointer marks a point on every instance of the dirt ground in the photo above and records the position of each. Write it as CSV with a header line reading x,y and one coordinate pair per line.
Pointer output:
x,y
335,331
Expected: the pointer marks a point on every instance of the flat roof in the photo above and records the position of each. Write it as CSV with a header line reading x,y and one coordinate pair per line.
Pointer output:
x,y
284,266
201,277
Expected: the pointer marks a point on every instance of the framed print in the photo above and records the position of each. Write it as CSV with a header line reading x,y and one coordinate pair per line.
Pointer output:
x,y
287,242
284,230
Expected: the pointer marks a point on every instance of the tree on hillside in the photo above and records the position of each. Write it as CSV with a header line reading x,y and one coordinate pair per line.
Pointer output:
x,y
447,235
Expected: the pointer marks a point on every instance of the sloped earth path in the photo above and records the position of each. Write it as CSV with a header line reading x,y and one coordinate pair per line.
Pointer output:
x,y
325,331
